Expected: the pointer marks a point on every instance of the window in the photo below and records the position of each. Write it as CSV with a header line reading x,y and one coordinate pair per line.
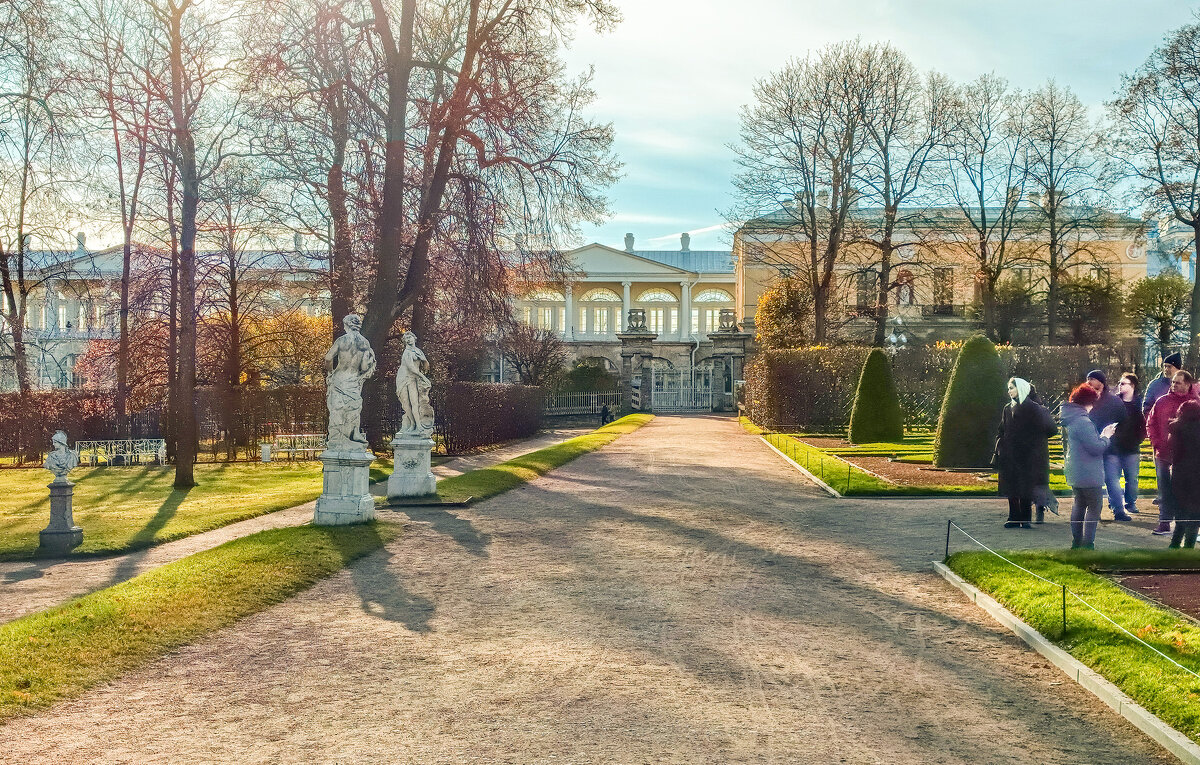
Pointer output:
x,y
545,318
656,296
695,321
600,295
562,320
1024,276
654,320
674,325
865,294
943,287
712,319
62,316
1099,273
713,296
525,315
582,326
600,321
547,296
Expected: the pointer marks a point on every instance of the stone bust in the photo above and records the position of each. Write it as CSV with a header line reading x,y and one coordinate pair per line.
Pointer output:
x,y
61,459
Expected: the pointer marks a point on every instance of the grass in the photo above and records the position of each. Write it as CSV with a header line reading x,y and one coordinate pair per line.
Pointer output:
x,y
61,652
490,481
1164,689
129,508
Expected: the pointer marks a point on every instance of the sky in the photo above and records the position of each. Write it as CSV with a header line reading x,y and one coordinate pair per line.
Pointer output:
x,y
674,74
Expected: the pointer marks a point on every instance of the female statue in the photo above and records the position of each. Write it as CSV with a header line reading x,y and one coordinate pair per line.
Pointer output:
x,y
348,363
412,388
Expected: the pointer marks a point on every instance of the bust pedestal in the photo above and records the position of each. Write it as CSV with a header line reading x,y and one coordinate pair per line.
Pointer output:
x,y
346,493
62,535
411,476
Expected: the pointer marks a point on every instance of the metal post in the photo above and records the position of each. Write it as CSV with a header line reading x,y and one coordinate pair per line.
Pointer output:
x,y
1064,593
949,521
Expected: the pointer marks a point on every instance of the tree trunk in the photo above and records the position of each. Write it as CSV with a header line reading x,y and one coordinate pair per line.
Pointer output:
x,y
20,353
233,369
172,429
885,279
123,342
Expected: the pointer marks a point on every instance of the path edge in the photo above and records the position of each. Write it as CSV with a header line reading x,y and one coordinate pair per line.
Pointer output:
x,y
1167,737
832,491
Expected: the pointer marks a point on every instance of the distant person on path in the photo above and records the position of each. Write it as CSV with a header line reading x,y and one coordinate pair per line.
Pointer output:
x,y
1108,410
1157,423
1184,436
1125,455
1084,450
1160,385
1022,455
605,415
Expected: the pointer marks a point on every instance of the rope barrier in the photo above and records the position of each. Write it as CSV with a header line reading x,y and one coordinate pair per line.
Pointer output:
x,y
1066,590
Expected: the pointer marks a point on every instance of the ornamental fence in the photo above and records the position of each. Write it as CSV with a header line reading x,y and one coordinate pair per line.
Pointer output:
x,y
582,403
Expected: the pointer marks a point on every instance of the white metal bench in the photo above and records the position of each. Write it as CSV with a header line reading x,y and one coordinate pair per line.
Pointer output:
x,y
134,451
308,445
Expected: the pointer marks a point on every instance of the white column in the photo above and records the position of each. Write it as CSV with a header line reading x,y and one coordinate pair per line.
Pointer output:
x,y
569,325
685,310
626,304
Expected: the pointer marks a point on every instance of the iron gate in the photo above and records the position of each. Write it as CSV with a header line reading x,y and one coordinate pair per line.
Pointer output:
x,y
682,390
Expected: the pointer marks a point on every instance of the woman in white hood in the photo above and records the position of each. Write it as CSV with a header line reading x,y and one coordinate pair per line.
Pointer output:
x,y
1022,455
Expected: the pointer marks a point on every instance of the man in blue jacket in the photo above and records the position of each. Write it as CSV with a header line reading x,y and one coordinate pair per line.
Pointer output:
x,y
1108,410
1159,386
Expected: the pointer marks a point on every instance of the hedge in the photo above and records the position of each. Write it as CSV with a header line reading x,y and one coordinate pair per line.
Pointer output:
x,y
813,388
876,415
475,414
970,414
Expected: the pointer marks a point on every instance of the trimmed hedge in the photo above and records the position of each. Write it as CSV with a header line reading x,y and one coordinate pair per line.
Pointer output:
x,y
475,414
876,415
970,414
813,388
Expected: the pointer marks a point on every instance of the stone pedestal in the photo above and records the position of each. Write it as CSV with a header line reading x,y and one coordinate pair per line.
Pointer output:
x,y
62,535
411,476
346,491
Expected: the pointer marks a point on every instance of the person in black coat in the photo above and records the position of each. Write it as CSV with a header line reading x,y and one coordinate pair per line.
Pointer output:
x,y
1022,455
1124,457
1183,434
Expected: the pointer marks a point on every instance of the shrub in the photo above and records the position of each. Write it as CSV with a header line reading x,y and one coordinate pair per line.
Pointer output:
x,y
475,414
876,415
802,387
971,410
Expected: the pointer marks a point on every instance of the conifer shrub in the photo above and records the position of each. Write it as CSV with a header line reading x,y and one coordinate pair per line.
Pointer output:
x,y
876,415
970,415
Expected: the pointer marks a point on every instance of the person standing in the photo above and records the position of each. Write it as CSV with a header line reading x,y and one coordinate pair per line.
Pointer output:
x,y
1125,455
1108,410
1184,436
1160,418
1022,455
1160,385
1083,467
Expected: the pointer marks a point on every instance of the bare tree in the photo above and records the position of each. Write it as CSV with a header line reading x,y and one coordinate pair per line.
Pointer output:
x,y
801,142
1063,172
538,356
1156,119
907,123
983,179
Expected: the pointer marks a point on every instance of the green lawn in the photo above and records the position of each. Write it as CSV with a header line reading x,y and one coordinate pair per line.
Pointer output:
x,y
1169,692
490,481
61,652
127,508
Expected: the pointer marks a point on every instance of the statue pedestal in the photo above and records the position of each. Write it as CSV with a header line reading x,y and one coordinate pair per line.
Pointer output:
x,y
62,535
346,493
411,476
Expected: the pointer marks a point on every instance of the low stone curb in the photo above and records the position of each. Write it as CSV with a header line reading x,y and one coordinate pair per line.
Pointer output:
x,y
832,491
1170,739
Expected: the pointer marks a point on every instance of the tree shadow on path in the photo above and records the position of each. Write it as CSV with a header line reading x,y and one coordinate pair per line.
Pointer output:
x,y
144,538
463,532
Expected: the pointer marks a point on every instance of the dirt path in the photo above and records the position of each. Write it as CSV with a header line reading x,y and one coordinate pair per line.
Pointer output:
x,y
29,586
680,596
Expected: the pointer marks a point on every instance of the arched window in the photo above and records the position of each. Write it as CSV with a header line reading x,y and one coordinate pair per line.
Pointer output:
x,y
656,296
600,295
713,296
905,288
546,296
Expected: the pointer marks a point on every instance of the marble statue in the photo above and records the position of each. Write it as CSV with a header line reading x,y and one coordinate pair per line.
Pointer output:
x,y
62,534
411,446
412,388
61,460
348,363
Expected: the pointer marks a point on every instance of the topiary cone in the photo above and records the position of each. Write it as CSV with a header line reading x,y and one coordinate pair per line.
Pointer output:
x,y
876,415
970,415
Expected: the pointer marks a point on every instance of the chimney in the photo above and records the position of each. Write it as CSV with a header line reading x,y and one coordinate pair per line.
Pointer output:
x,y
297,242
685,240
80,242
629,243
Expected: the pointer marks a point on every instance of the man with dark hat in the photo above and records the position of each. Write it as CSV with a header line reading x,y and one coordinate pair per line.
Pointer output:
x,y
1108,410
1159,386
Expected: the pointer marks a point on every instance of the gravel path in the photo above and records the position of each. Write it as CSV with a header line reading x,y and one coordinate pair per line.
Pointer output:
x,y
681,596
29,586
